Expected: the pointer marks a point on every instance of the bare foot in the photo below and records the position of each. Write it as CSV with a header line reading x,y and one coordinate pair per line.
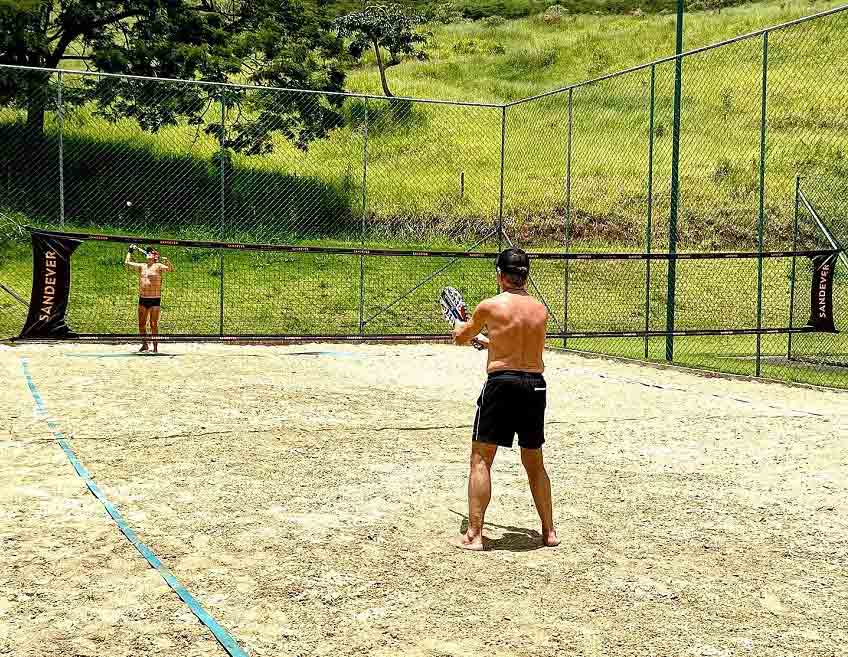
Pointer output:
x,y
550,539
464,542
143,347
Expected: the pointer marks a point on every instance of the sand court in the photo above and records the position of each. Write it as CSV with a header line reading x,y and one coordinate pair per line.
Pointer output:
x,y
304,496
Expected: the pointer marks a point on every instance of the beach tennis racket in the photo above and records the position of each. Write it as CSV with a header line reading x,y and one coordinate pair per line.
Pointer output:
x,y
454,310
453,306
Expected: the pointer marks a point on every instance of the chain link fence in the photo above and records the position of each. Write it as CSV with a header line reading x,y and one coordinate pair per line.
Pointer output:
x,y
583,169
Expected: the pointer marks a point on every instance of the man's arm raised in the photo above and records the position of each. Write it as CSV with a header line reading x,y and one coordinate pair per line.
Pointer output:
x,y
128,263
465,332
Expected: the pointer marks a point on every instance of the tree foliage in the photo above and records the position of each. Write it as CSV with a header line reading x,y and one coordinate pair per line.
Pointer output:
x,y
281,43
384,27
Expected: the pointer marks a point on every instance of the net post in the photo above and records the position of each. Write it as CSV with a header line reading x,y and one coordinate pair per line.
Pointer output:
x,y
761,216
501,192
221,293
675,189
649,221
792,272
567,216
61,113
362,222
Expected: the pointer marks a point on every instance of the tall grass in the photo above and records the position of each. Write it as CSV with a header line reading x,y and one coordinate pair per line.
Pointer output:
x,y
579,47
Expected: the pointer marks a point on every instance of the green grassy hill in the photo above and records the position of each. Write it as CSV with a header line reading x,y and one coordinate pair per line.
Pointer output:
x,y
434,170
504,61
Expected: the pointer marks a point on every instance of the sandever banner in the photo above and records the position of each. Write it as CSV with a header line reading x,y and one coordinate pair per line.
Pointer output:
x,y
51,285
821,293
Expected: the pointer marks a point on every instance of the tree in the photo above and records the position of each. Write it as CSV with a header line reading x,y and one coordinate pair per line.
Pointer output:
x,y
384,27
280,43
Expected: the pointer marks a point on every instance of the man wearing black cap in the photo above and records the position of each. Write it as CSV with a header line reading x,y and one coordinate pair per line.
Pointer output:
x,y
514,395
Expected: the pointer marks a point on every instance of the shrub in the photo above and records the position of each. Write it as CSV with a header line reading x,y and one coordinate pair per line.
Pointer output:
x,y
599,61
493,21
530,60
554,14
466,47
477,47
445,13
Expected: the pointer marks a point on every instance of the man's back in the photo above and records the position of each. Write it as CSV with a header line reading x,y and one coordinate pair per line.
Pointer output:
x,y
516,325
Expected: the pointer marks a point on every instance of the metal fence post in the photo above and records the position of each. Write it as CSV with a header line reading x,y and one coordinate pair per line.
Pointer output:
x,y
675,190
222,165
761,217
501,199
567,216
362,222
649,223
61,113
792,273
222,209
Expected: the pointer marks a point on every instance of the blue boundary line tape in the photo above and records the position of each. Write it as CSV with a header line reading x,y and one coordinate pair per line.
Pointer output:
x,y
229,644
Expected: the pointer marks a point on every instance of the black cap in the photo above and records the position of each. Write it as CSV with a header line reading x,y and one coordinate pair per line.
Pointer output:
x,y
513,261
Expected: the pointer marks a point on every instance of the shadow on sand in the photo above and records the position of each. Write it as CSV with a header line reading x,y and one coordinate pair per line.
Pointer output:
x,y
513,539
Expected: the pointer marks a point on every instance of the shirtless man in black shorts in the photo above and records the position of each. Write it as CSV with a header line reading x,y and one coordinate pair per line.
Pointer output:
x,y
149,292
514,396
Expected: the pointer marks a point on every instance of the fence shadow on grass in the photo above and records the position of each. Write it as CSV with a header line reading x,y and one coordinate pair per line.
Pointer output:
x,y
127,187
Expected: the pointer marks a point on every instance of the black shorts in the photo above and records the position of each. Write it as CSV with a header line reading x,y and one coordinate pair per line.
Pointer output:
x,y
510,403
149,302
